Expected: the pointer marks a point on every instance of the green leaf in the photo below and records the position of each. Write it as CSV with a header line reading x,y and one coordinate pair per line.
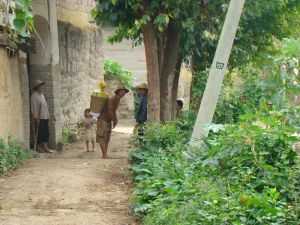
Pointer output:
x,y
152,193
20,3
114,2
19,24
20,14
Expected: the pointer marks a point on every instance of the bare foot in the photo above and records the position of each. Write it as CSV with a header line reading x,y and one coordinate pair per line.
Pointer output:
x,y
88,150
93,150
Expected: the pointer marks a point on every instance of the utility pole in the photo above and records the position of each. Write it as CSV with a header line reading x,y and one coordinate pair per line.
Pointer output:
x,y
217,72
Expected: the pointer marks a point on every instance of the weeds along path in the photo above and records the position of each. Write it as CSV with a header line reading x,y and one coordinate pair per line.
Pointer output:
x,y
73,188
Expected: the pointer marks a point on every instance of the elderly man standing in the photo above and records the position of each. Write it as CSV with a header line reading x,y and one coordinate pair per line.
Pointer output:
x,y
40,113
108,119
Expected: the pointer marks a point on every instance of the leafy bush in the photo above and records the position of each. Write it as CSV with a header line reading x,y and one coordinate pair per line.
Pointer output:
x,y
244,174
66,134
12,155
21,24
114,70
269,84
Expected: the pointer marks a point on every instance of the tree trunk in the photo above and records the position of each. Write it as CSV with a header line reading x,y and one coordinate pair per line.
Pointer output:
x,y
150,42
161,43
167,73
175,86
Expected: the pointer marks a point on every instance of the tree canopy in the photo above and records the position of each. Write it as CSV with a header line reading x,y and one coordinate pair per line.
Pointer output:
x,y
174,29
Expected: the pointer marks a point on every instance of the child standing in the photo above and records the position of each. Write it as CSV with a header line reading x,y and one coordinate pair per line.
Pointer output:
x,y
89,133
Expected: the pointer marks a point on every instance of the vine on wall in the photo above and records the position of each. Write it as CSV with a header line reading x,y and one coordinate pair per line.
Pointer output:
x,y
16,21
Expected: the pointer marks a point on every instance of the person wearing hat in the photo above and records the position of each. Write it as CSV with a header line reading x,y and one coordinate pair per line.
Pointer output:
x,y
141,116
108,119
40,114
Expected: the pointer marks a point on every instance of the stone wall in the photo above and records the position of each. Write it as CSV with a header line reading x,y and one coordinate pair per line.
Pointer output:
x,y
81,57
14,98
81,62
76,12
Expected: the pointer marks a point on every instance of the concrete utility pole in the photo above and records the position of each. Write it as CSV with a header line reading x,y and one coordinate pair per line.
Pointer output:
x,y
217,72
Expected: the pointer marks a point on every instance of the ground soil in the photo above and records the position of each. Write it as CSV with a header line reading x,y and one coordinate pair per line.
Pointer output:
x,y
71,188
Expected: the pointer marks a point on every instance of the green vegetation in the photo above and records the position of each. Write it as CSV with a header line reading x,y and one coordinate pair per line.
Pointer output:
x,y
22,23
246,172
113,70
269,84
12,154
173,30
66,134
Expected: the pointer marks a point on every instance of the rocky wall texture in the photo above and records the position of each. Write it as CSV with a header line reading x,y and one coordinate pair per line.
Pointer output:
x,y
76,12
81,6
81,67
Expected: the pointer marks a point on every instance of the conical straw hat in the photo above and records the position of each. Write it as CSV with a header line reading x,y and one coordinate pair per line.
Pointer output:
x,y
142,86
38,83
121,87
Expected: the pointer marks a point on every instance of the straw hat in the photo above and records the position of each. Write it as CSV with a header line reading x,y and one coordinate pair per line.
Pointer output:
x,y
121,87
142,86
38,83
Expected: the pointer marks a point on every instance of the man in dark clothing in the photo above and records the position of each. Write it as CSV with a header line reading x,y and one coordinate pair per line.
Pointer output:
x,y
141,116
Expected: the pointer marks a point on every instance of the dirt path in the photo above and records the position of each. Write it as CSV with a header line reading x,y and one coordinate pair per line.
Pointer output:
x,y
74,188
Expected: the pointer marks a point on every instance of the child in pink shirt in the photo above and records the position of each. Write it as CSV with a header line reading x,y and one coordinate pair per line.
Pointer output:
x,y
89,133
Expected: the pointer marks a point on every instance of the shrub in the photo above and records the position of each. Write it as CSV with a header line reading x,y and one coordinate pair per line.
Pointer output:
x,y
66,134
12,154
268,84
246,173
114,70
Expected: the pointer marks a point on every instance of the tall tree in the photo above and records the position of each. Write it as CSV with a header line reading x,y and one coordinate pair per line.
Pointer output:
x,y
261,22
159,24
174,29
